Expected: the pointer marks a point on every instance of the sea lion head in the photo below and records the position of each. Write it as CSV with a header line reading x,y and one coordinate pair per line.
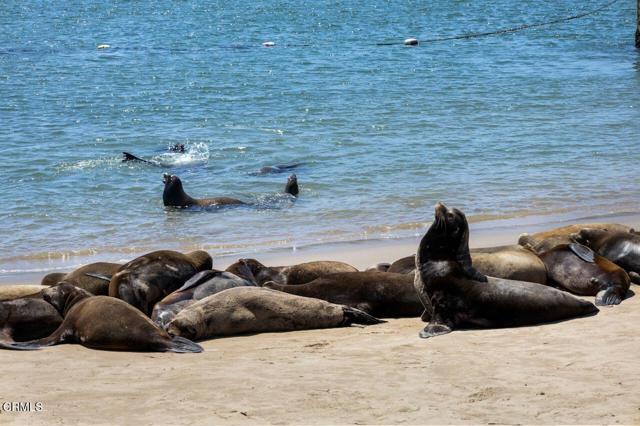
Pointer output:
x,y
448,236
63,296
292,185
586,236
185,325
201,260
173,194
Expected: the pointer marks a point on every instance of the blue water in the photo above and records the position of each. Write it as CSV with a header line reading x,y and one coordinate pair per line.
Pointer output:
x,y
534,122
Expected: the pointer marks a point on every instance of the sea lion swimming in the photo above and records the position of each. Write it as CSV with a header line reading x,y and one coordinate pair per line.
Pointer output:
x,y
509,262
455,295
102,322
174,196
621,248
149,278
252,270
198,287
93,277
543,241
381,294
243,310
276,169
579,270
292,185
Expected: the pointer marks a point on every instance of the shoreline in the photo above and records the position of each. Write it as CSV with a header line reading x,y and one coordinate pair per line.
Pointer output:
x,y
360,253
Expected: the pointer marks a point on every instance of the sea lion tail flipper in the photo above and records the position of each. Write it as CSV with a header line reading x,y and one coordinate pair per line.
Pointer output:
x,y
356,316
583,252
181,345
435,329
131,157
31,345
99,276
608,297
634,277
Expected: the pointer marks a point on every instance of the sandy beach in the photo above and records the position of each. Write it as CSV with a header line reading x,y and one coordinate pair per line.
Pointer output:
x,y
582,371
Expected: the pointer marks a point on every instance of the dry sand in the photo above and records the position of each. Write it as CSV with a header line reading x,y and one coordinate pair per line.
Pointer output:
x,y
583,371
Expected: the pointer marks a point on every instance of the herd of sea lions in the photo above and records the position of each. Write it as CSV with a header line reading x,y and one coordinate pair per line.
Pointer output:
x,y
166,300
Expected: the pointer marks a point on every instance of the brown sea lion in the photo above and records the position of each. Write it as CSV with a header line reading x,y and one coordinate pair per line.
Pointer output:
x,y
381,294
455,295
579,270
379,267
255,271
93,277
509,262
198,287
149,278
244,310
11,292
27,318
543,241
175,196
102,322
621,248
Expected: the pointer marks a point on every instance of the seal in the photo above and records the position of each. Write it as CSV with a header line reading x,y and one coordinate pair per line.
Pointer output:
x,y
511,262
543,241
198,287
102,322
27,318
456,295
621,248
11,292
147,279
174,196
579,270
93,277
256,272
381,294
243,310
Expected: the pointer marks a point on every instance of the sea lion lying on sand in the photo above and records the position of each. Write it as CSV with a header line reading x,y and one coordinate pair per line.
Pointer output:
x,y
93,277
27,318
254,271
621,248
243,310
543,241
454,294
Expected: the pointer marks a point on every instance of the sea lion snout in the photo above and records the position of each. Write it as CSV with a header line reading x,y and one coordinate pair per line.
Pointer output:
x,y
166,178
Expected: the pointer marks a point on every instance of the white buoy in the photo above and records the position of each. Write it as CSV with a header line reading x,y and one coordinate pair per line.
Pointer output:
x,y
268,44
411,42
103,46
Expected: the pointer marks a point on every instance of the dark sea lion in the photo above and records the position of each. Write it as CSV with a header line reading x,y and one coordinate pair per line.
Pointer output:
x,y
381,294
252,270
151,277
621,248
174,196
282,168
177,147
292,185
455,295
102,322
509,262
126,157
243,310
378,267
543,241
579,270
27,318
93,277
11,292
198,287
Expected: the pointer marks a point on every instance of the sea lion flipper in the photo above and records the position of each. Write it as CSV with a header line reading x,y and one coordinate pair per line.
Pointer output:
x,y
99,276
634,276
356,316
608,297
583,252
435,329
182,345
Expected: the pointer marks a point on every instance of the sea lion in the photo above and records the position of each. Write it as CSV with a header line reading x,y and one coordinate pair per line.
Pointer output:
x,y
11,292
378,267
244,310
381,294
93,277
292,185
174,196
27,318
509,262
579,270
198,287
456,295
149,278
543,241
252,270
102,322
621,248
275,169
176,147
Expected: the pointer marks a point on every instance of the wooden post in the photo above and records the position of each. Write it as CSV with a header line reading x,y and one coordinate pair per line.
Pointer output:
x,y
638,26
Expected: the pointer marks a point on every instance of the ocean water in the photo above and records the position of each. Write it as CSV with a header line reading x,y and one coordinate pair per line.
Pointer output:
x,y
534,122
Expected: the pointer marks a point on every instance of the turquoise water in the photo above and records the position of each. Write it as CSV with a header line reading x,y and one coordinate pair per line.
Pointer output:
x,y
534,122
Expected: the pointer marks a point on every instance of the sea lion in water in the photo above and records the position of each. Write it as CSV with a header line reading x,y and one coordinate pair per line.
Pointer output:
x,y
381,294
455,295
509,262
11,292
275,169
292,185
198,287
102,322
244,310
252,270
543,241
174,196
621,248
93,277
149,278
579,270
